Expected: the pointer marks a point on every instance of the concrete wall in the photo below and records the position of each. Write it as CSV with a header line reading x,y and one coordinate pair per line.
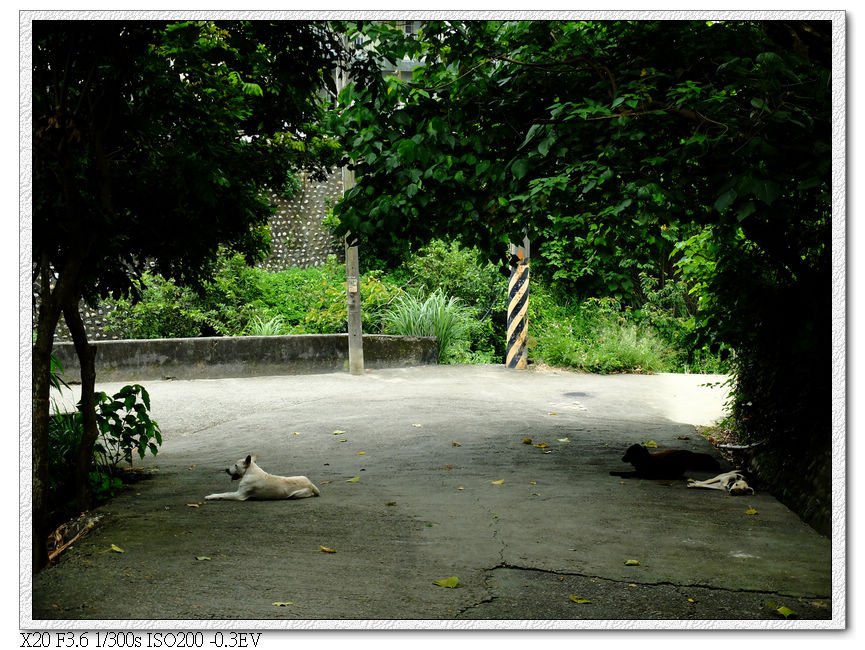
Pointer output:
x,y
247,356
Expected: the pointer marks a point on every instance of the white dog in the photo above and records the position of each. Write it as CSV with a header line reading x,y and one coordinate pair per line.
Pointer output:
x,y
255,483
734,482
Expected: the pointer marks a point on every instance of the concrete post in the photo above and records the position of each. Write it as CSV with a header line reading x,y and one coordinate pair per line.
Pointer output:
x,y
352,282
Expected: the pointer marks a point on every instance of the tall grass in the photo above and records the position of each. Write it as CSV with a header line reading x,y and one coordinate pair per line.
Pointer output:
x,y
595,336
257,326
437,314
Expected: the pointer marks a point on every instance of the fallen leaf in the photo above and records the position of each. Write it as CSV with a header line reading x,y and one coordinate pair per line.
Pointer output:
x,y
651,444
460,488
338,432
283,604
786,612
632,563
202,558
353,479
541,445
193,505
535,494
501,481
343,440
691,600
326,549
449,583
390,503
563,439
527,441
553,413
361,453
454,443
533,482
418,426
578,599
117,549
751,511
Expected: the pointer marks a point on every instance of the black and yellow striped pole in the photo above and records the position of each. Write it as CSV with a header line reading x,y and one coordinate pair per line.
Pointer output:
x,y
518,306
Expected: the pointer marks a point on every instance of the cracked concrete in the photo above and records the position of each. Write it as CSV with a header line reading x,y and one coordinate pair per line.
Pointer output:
x,y
447,487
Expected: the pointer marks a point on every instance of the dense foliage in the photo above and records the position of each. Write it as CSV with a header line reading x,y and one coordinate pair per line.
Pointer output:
x,y
633,154
442,289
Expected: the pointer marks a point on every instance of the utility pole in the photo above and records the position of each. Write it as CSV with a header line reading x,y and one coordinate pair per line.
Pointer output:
x,y
518,306
352,271
352,283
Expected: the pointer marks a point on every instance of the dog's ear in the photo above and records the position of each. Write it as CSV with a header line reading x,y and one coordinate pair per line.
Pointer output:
x,y
247,461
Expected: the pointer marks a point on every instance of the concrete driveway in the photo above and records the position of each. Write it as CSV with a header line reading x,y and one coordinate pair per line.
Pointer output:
x,y
426,474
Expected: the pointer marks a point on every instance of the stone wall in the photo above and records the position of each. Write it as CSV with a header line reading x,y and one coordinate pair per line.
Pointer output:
x,y
298,237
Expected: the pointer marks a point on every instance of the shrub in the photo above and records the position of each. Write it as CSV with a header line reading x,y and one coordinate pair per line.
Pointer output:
x,y
162,309
259,327
594,336
125,429
463,273
434,315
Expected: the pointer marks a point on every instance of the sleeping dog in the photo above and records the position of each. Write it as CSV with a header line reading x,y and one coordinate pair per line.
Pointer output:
x,y
666,464
734,482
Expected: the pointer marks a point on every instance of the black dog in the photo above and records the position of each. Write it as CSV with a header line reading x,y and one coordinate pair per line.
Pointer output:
x,y
666,464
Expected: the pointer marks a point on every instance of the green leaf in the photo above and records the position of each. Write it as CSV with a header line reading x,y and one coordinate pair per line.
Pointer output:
x,y
745,211
632,563
725,200
574,598
786,612
765,190
520,168
545,144
449,583
533,131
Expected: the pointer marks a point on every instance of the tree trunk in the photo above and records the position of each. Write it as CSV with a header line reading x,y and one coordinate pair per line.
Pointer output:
x,y
87,359
48,315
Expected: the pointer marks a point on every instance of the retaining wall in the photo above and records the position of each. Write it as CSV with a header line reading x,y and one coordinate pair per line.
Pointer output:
x,y
247,356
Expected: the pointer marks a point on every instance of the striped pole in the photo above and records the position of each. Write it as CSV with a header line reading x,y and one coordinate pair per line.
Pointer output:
x,y
518,305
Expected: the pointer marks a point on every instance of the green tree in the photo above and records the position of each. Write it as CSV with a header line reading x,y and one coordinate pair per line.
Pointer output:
x,y
615,145
153,145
